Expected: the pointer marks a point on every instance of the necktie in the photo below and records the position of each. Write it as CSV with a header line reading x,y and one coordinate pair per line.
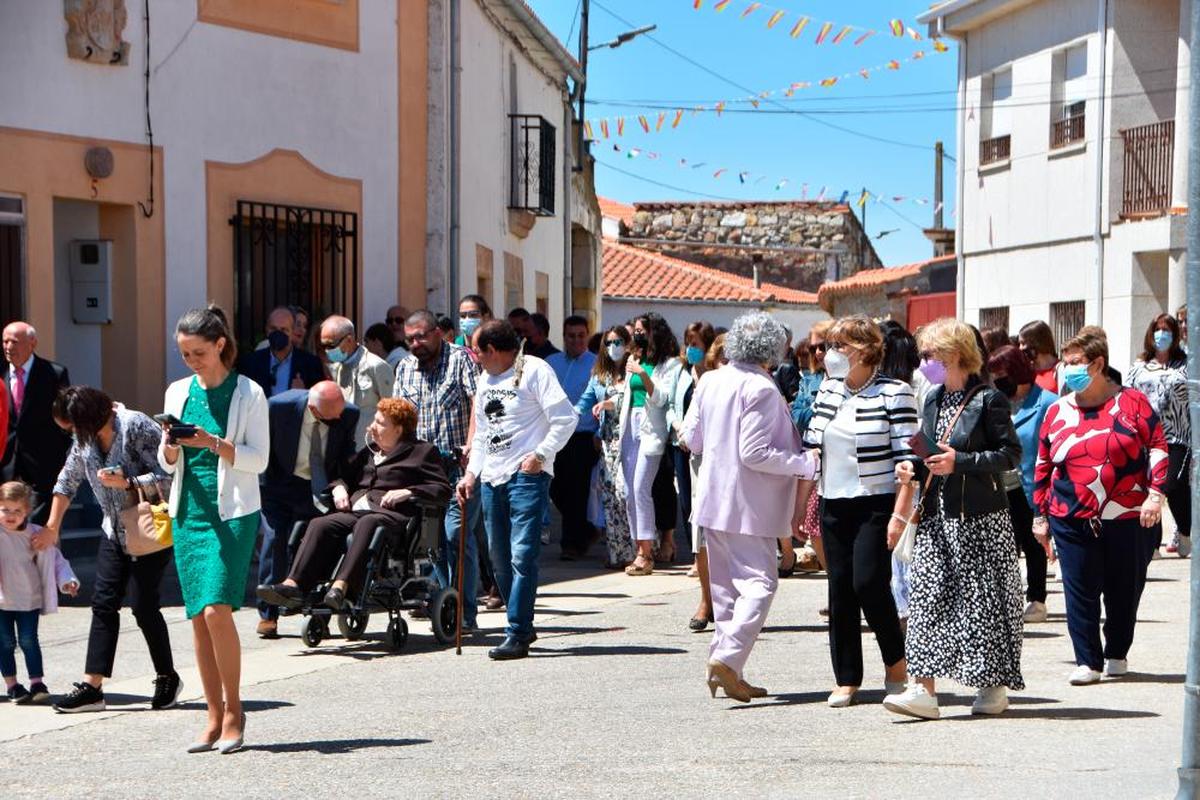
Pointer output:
x,y
19,390
316,464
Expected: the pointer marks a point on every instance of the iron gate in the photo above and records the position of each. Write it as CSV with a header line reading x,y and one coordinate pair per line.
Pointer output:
x,y
292,256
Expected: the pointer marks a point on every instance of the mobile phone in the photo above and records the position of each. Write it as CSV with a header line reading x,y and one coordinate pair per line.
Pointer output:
x,y
167,419
923,445
181,431
108,470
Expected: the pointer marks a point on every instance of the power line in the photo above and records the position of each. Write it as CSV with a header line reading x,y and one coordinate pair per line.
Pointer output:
x,y
662,185
739,87
574,20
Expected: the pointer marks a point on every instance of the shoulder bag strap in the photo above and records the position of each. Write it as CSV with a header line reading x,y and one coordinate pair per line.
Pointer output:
x,y
950,429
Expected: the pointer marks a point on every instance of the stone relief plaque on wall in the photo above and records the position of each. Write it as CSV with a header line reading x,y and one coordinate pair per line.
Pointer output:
x,y
94,29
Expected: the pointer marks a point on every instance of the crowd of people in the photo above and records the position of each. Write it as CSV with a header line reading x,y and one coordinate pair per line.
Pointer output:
x,y
974,447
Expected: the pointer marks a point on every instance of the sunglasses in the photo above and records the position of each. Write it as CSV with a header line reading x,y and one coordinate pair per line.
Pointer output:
x,y
613,342
819,347
331,345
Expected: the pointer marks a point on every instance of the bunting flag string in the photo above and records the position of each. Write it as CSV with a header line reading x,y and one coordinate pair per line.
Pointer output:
x,y
896,27
755,101
750,177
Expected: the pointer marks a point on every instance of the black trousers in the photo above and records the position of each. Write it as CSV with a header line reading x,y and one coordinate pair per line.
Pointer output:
x,y
666,501
683,477
1035,556
325,540
114,571
860,573
283,506
569,490
1179,488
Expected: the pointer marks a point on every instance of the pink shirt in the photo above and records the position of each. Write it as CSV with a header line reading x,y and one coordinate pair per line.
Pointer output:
x,y
752,453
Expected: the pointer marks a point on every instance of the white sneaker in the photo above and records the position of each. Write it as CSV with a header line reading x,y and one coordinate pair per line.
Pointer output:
x,y
1035,611
913,702
1183,545
1084,675
990,700
1116,667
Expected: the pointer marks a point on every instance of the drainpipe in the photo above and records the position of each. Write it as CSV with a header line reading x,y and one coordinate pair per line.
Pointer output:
x,y
960,261
452,267
568,282
1098,230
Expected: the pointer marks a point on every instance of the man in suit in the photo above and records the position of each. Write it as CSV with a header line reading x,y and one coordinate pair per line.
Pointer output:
x,y
281,365
36,447
312,440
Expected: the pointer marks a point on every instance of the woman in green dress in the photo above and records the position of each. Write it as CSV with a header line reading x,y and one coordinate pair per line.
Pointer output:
x,y
215,507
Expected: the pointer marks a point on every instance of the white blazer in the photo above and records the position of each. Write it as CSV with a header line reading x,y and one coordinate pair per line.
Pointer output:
x,y
675,397
248,428
653,433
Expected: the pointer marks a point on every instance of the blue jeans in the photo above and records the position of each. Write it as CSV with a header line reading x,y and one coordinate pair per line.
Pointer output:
x,y
20,627
447,555
513,512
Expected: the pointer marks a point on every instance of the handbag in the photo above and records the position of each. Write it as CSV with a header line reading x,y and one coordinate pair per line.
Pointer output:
x,y
908,538
147,523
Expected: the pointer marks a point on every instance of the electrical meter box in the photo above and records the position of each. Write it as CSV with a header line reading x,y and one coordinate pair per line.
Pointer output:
x,y
91,281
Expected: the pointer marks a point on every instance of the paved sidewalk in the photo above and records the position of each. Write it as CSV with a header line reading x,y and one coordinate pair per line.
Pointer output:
x,y
613,704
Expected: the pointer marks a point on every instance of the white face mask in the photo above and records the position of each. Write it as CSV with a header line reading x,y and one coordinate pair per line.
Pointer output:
x,y
616,351
837,365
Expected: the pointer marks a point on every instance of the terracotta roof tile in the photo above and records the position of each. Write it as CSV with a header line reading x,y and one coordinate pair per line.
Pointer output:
x,y
869,279
634,272
615,209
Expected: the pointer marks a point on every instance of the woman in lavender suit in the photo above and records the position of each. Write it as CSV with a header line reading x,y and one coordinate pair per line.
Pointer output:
x,y
745,496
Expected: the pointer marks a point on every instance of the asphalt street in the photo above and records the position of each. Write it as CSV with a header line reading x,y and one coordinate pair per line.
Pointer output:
x,y
611,704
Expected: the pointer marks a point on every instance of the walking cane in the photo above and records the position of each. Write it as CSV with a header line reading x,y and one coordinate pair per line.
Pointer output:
x,y
462,538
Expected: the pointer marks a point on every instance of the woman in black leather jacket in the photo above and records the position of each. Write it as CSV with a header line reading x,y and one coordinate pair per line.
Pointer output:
x,y
965,615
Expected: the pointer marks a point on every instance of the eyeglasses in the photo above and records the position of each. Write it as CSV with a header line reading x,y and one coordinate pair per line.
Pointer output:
x,y
927,355
333,344
613,342
819,347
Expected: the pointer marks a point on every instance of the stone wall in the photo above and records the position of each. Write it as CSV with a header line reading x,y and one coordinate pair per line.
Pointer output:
x,y
833,240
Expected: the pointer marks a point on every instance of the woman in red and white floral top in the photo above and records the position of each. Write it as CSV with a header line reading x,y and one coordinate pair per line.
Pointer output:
x,y
1098,486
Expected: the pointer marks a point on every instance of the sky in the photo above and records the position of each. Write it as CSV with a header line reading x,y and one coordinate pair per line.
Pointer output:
x,y
895,115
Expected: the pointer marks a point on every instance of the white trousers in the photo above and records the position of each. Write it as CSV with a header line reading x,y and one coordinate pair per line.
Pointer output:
x,y
743,575
639,469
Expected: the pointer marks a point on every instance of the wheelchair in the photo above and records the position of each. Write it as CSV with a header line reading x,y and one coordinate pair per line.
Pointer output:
x,y
399,577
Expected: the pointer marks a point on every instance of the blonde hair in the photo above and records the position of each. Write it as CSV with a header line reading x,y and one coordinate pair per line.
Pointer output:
x,y
861,332
821,329
949,337
1091,341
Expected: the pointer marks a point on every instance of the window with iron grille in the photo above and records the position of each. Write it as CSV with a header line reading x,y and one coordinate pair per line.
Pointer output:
x,y
292,256
532,167
12,260
995,317
1066,319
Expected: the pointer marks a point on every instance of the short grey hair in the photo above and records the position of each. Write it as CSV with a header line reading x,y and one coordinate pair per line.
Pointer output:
x,y
339,326
756,338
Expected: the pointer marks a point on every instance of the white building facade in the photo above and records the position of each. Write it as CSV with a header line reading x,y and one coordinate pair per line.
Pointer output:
x,y
1072,162
510,219
282,169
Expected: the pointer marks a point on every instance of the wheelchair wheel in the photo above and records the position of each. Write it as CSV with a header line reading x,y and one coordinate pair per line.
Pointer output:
x,y
443,615
397,633
313,632
352,626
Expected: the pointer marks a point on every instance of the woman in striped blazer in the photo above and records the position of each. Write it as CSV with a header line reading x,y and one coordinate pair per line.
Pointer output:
x,y
861,425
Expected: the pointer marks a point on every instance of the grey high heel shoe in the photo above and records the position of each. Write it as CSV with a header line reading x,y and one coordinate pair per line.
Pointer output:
x,y
227,746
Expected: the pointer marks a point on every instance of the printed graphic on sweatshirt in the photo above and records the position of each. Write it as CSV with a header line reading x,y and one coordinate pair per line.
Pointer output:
x,y
499,439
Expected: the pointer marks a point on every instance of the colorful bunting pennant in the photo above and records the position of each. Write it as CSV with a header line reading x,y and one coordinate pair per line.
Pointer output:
x,y
750,9
774,20
825,29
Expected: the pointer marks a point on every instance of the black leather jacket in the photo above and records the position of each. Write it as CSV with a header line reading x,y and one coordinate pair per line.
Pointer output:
x,y
986,445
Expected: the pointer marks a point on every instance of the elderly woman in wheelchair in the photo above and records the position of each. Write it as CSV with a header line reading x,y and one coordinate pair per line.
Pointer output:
x,y
380,487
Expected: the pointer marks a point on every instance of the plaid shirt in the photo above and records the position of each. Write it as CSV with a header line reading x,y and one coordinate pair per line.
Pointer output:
x,y
442,396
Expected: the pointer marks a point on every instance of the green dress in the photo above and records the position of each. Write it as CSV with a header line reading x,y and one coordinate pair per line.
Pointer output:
x,y
212,556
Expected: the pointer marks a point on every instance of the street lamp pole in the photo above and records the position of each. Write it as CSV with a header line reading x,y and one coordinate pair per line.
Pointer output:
x,y
1189,770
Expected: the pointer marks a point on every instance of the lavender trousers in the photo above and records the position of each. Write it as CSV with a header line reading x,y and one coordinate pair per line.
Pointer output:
x,y
743,575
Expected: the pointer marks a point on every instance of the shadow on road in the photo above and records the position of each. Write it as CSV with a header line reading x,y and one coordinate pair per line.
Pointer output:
x,y
1148,677
333,747
606,650
1064,714
597,595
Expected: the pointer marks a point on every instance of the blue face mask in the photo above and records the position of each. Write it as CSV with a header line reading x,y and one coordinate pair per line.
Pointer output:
x,y
695,355
468,326
1163,340
336,356
1076,377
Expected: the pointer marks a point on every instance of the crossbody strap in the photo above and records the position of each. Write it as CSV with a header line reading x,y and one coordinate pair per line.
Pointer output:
x,y
950,429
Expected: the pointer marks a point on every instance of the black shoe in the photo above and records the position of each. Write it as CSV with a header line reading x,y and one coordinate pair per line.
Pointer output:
x,y
84,697
336,599
18,694
698,624
39,695
512,649
280,594
166,691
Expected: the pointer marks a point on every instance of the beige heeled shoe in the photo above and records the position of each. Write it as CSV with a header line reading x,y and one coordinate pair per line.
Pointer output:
x,y
647,567
722,677
753,691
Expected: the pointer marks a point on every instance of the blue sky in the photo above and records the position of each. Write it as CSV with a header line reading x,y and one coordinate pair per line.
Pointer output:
x,y
913,105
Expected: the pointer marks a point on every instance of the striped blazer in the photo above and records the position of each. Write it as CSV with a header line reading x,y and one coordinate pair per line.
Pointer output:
x,y
885,418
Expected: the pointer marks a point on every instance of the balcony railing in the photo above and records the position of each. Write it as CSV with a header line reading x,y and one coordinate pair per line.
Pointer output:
x,y
1067,131
995,149
532,165
1149,155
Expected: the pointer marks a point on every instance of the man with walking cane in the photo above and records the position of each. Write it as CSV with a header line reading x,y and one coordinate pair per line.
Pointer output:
x,y
522,419
439,379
